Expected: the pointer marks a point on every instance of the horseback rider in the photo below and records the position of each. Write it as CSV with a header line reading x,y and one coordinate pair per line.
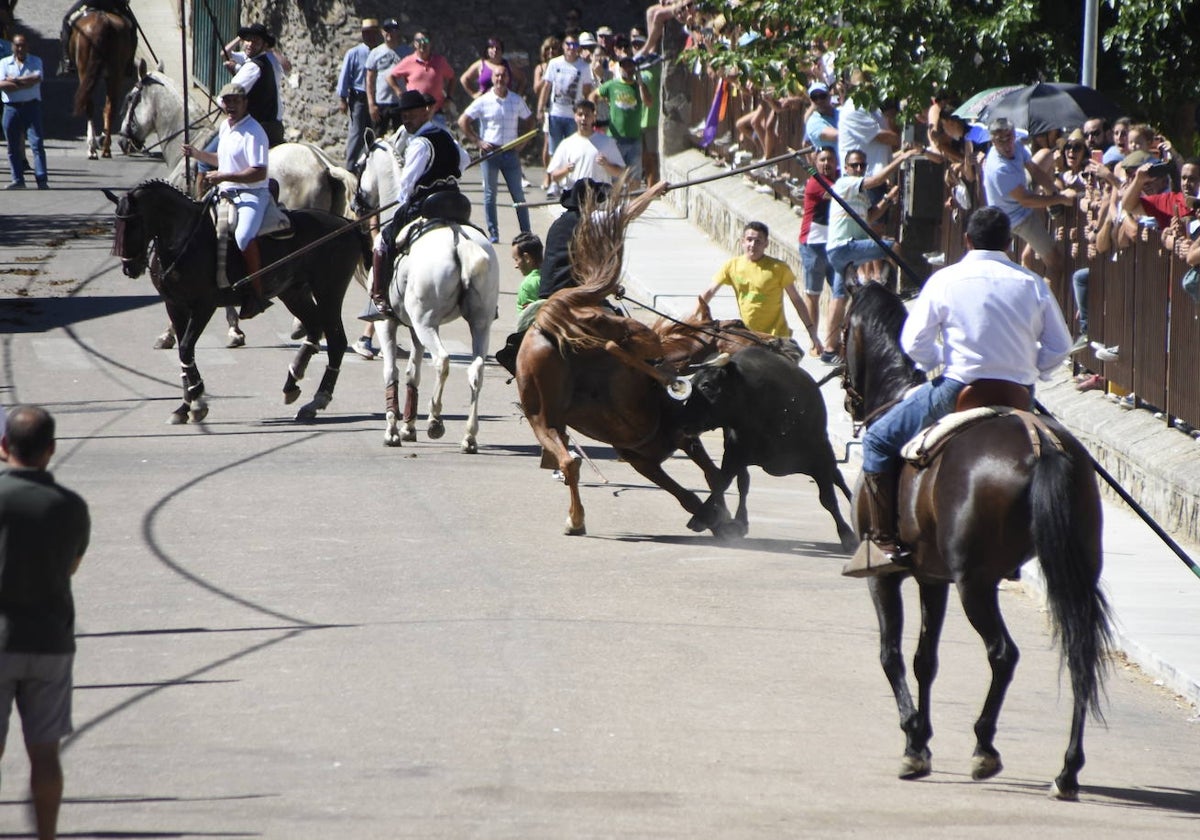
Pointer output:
x,y
260,73
433,162
116,7
1000,329
241,176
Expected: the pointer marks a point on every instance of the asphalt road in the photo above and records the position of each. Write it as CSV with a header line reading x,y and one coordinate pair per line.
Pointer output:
x,y
289,631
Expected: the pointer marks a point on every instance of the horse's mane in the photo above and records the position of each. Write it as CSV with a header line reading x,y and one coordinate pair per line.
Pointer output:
x,y
572,315
162,182
879,310
877,316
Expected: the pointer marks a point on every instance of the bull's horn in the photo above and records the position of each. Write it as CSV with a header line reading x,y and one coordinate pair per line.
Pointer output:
x,y
719,360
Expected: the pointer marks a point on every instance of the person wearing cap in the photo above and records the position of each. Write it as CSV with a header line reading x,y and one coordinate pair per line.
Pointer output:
x,y
626,95
433,163
426,72
116,7
567,81
587,43
821,131
381,99
261,75
352,89
1004,171
501,115
239,172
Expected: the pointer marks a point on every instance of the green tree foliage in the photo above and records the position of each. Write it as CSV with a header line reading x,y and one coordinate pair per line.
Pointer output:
x,y
912,47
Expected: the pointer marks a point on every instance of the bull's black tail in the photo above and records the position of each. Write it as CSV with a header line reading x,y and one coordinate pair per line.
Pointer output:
x,y
1066,532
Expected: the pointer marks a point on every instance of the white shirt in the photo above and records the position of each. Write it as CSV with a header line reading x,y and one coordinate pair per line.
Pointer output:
x,y
248,73
566,83
10,68
242,146
995,320
499,119
842,228
581,152
857,129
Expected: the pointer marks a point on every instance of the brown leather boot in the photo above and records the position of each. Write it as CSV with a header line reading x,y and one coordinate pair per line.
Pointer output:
x,y
880,552
254,302
381,280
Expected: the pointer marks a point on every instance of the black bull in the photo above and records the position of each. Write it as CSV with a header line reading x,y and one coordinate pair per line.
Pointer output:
x,y
773,416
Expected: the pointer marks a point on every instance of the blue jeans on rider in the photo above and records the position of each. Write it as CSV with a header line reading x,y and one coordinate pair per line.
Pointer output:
x,y
507,164
23,121
855,252
818,271
885,437
560,129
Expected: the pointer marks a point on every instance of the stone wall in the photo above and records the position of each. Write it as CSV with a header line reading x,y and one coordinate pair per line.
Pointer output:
x,y
315,35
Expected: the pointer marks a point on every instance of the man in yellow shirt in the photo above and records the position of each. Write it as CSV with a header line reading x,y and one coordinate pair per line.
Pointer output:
x,y
759,283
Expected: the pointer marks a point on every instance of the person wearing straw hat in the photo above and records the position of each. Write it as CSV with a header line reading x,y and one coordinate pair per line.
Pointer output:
x,y
352,89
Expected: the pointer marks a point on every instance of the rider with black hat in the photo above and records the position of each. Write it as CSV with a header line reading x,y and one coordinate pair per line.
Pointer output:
x,y
260,75
433,163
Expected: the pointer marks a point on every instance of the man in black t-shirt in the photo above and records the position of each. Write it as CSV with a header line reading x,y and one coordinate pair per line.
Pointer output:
x,y
44,532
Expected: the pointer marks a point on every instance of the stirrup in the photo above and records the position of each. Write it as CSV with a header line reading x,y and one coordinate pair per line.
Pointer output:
x,y
871,559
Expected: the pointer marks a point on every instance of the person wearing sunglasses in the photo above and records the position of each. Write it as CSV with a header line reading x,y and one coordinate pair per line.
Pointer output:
x,y
567,81
820,131
426,72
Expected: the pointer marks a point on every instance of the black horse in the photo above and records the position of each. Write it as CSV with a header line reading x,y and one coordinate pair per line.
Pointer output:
x,y
999,492
182,234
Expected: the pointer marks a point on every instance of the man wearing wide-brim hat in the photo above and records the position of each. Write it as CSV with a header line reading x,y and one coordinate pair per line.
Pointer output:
x,y
352,89
261,75
428,186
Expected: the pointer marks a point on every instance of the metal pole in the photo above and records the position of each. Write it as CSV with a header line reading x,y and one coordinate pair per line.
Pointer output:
x,y
1091,15
187,83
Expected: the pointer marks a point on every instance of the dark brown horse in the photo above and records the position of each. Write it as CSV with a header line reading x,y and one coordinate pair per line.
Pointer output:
x,y
699,337
984,506
582,365
7,18
102,44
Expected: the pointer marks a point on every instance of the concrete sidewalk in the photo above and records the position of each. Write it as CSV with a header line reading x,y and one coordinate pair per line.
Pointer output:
x,y
1156,599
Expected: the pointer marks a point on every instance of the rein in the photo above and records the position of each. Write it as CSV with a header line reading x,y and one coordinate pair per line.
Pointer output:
x,y
714,333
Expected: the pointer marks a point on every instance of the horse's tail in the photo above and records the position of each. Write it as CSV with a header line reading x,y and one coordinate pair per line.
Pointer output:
x,y
473,260
1069,551
342,184
362,271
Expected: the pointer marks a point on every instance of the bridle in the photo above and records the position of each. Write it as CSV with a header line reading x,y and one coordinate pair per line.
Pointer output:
x,y
118,249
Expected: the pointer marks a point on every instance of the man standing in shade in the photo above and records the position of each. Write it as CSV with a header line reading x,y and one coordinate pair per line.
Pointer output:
x,y
501,115
426,72
381,99
352,89
21,92
44,533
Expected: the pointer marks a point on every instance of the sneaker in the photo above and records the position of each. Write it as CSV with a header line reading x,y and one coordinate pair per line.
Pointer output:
x,y
363,348
15,185
1109,354
494,238
1081,343
1127,402
831,358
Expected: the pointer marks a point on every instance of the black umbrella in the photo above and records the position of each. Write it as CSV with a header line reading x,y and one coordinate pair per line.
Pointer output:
x,y
1049,105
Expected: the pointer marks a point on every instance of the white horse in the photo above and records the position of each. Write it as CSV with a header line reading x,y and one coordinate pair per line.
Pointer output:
x,y
449,272
382,162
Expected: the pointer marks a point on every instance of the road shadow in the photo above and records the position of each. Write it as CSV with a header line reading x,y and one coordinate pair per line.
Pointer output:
x,y
44,314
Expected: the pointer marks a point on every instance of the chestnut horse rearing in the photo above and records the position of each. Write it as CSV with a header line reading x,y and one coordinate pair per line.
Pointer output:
x,y
102,44
584,366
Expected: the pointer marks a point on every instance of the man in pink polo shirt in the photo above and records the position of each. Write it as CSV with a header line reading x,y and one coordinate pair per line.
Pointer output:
x,y
425,72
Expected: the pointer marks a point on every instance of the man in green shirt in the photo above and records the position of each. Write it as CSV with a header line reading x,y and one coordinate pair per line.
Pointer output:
x,y
626,95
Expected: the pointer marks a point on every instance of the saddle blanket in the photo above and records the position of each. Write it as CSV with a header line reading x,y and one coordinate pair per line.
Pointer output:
x,y
921,449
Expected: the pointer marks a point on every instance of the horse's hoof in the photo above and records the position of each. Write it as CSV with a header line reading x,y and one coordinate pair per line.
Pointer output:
x,y
198,415
916,766
697,524
984,766
237,338
436,429
1063,795
470,447
165,341
731,530
849,542
290,396
391,440
574,530
408,435
106,154
307,412
93,156
178,419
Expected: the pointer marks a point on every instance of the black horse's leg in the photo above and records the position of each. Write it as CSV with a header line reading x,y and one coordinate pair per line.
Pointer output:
x,y
981,604
889,610
925,668
193,407
653,470
329,315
